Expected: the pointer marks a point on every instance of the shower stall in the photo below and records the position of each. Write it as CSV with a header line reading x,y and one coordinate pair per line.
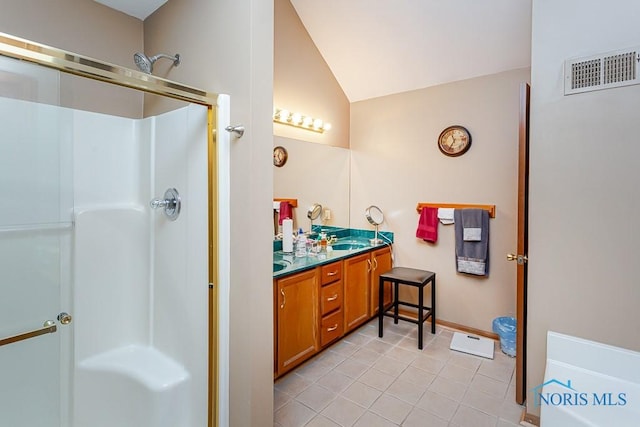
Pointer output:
x,y
106,303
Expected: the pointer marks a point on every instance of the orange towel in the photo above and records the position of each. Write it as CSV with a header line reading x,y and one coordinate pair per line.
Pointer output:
x,y
428,224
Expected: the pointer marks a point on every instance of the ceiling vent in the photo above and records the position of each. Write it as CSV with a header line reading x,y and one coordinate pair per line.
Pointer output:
x,y
603,71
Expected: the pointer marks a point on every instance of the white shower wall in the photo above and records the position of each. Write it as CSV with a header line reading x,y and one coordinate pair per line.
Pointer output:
x,y
140,280
112,255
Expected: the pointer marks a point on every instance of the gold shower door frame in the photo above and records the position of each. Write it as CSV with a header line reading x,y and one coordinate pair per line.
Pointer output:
x,y
95,69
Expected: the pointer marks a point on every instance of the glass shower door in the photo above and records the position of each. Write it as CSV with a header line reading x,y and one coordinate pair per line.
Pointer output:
x,y
35,257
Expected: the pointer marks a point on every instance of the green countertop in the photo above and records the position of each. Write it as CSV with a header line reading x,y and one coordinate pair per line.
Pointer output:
x,y
360,238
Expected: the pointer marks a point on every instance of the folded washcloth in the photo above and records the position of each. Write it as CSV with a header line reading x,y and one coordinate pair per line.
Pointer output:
x,y
445,215
428,225
472,224
471,234
472,256
285,212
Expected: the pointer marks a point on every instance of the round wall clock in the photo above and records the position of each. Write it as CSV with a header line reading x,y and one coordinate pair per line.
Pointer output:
x,y
454,141
279,156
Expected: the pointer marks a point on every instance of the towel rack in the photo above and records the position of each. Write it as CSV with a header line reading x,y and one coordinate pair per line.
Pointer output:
x,y
489,208
292,202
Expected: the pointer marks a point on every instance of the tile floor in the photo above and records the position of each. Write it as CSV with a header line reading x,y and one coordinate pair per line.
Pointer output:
x,y
367,381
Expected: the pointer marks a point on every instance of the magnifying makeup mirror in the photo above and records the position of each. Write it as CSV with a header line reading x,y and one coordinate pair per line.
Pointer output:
x,y
375,217
313,212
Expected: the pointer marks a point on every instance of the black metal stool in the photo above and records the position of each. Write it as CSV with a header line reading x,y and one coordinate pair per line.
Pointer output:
x,y
411,277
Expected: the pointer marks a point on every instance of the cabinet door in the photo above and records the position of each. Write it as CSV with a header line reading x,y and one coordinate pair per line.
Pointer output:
x,y
356,290
381,262
297,306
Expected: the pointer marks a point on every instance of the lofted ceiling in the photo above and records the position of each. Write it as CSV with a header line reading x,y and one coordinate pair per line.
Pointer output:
x,y
140,9
380,47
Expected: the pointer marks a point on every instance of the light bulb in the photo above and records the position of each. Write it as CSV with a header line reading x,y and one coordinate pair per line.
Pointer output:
x,y
317,123
284,115
307,121
296,118
327,126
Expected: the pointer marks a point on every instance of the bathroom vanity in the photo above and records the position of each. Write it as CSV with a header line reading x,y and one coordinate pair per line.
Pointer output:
x,y
318,299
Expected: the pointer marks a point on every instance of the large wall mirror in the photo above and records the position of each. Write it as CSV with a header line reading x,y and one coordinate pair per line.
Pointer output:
x,y
314,173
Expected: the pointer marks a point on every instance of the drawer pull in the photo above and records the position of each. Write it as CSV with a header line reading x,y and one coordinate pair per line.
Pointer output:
x,y
284,298
332,273
333,298
368,266
333,328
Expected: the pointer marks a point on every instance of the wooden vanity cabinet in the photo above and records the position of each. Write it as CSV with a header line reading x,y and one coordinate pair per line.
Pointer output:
x,y
357,272
361,275
297,319
316,307
380,263
331,301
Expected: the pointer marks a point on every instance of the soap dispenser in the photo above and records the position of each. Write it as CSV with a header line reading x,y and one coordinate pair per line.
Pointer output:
x,y
323,242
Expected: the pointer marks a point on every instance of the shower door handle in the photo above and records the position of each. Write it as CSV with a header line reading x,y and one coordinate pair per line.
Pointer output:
x,y
64,318
49,327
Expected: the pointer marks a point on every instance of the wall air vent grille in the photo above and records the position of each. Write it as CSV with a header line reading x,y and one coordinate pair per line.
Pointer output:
x,y
604,71
619,68
586,74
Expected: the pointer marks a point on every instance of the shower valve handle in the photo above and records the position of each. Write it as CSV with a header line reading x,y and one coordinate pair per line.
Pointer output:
x,y
159,203
171,204
163,203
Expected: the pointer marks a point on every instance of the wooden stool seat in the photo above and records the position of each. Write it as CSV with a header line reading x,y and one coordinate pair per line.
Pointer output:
x,y
410,277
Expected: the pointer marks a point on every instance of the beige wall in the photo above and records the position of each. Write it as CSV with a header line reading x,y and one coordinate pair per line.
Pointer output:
x,y
396,164
584,189
303,82
227,47
80,26
87,28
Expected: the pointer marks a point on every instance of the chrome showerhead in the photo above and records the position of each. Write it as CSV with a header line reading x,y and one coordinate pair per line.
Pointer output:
x,y
145,64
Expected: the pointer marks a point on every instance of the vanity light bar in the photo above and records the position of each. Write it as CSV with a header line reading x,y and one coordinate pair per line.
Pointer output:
x,y
299,120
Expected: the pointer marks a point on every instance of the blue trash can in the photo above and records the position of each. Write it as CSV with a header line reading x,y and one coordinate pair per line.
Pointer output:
x,y
505,327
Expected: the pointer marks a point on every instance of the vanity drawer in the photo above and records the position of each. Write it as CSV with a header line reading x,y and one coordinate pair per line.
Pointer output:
x,y
331,272
331,328
330,297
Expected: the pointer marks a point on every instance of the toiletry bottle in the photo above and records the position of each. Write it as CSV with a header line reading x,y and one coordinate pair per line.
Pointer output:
x,y
301,244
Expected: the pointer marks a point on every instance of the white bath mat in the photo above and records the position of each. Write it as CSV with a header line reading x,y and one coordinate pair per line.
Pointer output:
x,y
472,344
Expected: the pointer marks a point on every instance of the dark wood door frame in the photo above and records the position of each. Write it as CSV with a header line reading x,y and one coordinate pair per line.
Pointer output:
x,y
523,242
